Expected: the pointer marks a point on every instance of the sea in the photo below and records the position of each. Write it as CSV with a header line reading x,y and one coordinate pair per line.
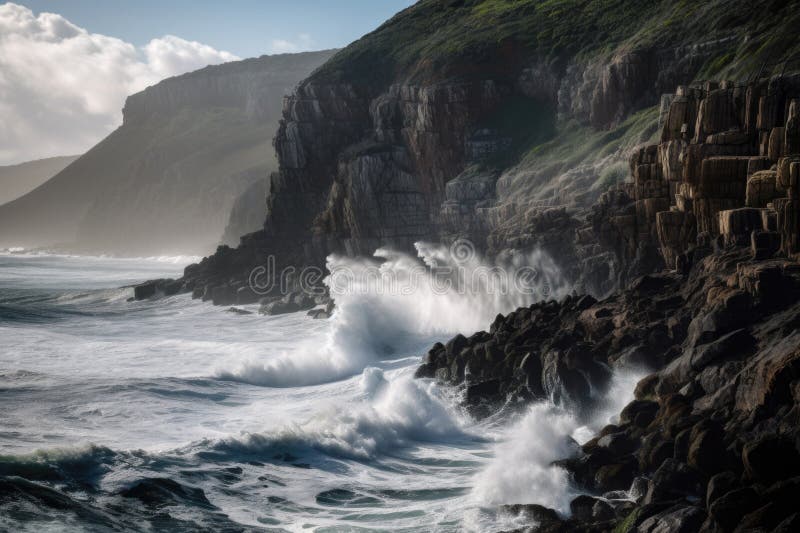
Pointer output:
x,y
172,414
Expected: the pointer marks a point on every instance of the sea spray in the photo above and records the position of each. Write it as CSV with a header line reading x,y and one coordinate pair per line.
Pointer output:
x,y
522,470
396,305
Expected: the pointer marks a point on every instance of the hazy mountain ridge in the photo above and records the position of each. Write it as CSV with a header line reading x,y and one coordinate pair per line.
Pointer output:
x,y
19,179
165,180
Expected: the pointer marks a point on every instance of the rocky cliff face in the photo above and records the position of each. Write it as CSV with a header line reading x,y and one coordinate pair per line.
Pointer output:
x,y
507,141
710,443
722,173
165,181
372,168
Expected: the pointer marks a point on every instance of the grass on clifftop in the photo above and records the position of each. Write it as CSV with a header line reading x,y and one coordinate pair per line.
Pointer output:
x,y
438,39
537,173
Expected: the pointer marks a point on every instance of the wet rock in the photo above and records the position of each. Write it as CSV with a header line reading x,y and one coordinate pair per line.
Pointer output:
x,y
639,412
718,485
616,475
544,517
770,458
319,314
677,519
673,480
157,288
728,509
619,443
707,450
224,295
590,509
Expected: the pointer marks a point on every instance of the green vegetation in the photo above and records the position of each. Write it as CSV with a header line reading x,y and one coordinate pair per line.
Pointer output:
x,y
612,175
627,524
439,39
575,144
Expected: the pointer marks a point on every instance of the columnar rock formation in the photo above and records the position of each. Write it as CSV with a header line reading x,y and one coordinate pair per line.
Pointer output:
x,y
725,172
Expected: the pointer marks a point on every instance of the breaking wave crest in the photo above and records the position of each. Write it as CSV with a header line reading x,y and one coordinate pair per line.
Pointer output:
x,y
393,414
394,305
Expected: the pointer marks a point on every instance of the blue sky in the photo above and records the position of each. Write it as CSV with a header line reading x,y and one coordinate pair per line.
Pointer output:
x,y
245,28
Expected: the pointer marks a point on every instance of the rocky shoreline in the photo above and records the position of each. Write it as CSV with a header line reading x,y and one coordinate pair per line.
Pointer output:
x,y
688,269
711,439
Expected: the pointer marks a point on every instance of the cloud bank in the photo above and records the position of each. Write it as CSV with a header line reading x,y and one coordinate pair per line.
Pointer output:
x,y
62,88
303,42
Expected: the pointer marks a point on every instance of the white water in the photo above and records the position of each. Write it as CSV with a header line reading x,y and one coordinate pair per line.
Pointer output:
x,y
282,421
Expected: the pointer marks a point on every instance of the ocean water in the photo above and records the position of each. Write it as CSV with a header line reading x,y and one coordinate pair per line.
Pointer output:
x,y
176,415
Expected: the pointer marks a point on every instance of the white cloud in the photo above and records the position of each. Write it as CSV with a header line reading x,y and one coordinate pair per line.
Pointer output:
x,y
62,88
301,43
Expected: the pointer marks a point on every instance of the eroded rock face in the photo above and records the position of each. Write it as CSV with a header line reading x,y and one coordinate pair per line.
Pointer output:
x,y
723,172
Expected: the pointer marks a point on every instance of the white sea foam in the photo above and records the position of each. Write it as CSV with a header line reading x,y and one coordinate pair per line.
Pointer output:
x,y
395,306
522,470
393,414
134,375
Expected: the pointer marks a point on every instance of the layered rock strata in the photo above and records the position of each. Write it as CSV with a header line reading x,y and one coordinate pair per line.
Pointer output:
x,y
725,171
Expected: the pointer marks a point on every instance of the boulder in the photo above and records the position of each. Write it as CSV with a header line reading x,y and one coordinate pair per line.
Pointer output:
x,y
762,188
617,475
770,458
639,412
728,509
764,244
677,519
673,480
707,451
279,307
736,225
542,516
775,147
245,296
224,295
718,485
157,288
318,314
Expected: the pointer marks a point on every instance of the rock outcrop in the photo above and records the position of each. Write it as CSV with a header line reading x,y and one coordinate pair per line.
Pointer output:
x,y
723,173
400,138
711,440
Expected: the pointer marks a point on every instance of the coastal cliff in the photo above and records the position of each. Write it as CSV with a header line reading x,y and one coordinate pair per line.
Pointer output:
x,y
450,121
711,440
670,202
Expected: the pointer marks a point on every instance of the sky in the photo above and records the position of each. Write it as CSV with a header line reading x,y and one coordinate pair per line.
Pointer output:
x,y
66,66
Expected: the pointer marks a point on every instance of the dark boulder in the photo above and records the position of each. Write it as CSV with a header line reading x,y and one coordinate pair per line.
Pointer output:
x,y
543,516
718,485
770,458
677,519
673,480
728,509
